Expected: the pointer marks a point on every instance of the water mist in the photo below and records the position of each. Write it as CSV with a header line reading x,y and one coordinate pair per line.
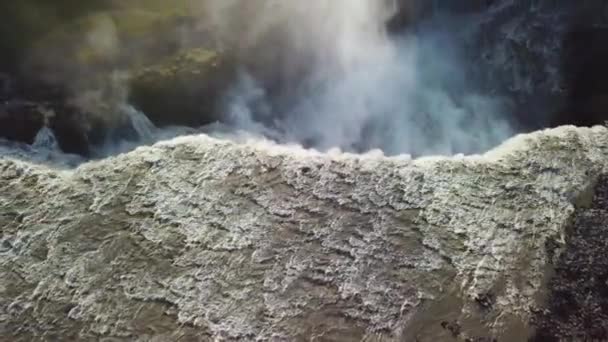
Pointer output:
x,y
348,84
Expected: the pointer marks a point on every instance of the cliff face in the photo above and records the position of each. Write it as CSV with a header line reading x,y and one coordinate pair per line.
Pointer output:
x,y
545,57
203,239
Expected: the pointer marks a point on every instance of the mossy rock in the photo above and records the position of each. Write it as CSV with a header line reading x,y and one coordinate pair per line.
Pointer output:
x,y
124,38
62,27
184,89
26,21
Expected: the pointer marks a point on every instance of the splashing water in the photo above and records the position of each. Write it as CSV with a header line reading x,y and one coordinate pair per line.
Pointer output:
x,y
145,129
145,133
45,140
44,150
364,89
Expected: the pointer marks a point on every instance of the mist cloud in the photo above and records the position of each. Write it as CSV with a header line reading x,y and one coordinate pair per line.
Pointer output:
x,y
324,74
344,82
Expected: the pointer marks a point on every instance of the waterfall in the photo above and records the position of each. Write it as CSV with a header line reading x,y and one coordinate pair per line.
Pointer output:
x,y
145,129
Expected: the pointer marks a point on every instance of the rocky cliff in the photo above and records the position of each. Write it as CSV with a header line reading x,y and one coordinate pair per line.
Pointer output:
x,y
545,56
204,239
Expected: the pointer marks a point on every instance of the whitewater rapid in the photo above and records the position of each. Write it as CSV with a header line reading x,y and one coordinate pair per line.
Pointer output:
x,y
177,235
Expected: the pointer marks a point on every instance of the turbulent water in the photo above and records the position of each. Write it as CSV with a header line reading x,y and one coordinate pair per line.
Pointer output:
x,y
45,148
203,239
265,227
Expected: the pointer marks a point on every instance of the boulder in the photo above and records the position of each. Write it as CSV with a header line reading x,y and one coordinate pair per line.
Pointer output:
x,y
29,23
26,107
80,54
203,239
65,60
24,22
183,90
20,121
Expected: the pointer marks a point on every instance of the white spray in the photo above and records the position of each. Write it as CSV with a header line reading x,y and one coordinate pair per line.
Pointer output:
x,y
361,88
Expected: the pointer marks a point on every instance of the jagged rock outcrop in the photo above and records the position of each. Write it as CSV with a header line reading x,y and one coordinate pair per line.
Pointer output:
x,y
202,239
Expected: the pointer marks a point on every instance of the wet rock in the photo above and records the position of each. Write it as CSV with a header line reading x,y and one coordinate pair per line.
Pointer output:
x,y
72,131
199,238
548,57
76,132
183,90
32,24
28,105
20,121
66,52
545,58
6,87
408,13
585,76
577,307
112,39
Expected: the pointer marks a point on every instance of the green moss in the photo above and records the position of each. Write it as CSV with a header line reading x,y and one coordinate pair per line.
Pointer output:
x,y
26,21
93,37
41,24
194,62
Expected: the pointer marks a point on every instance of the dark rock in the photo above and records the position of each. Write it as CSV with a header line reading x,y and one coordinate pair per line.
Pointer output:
x,y
20,121
71,131
485,301
24,22
410,12
453,327
6,87
182,90
585,73
577,307
27,105
546,57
